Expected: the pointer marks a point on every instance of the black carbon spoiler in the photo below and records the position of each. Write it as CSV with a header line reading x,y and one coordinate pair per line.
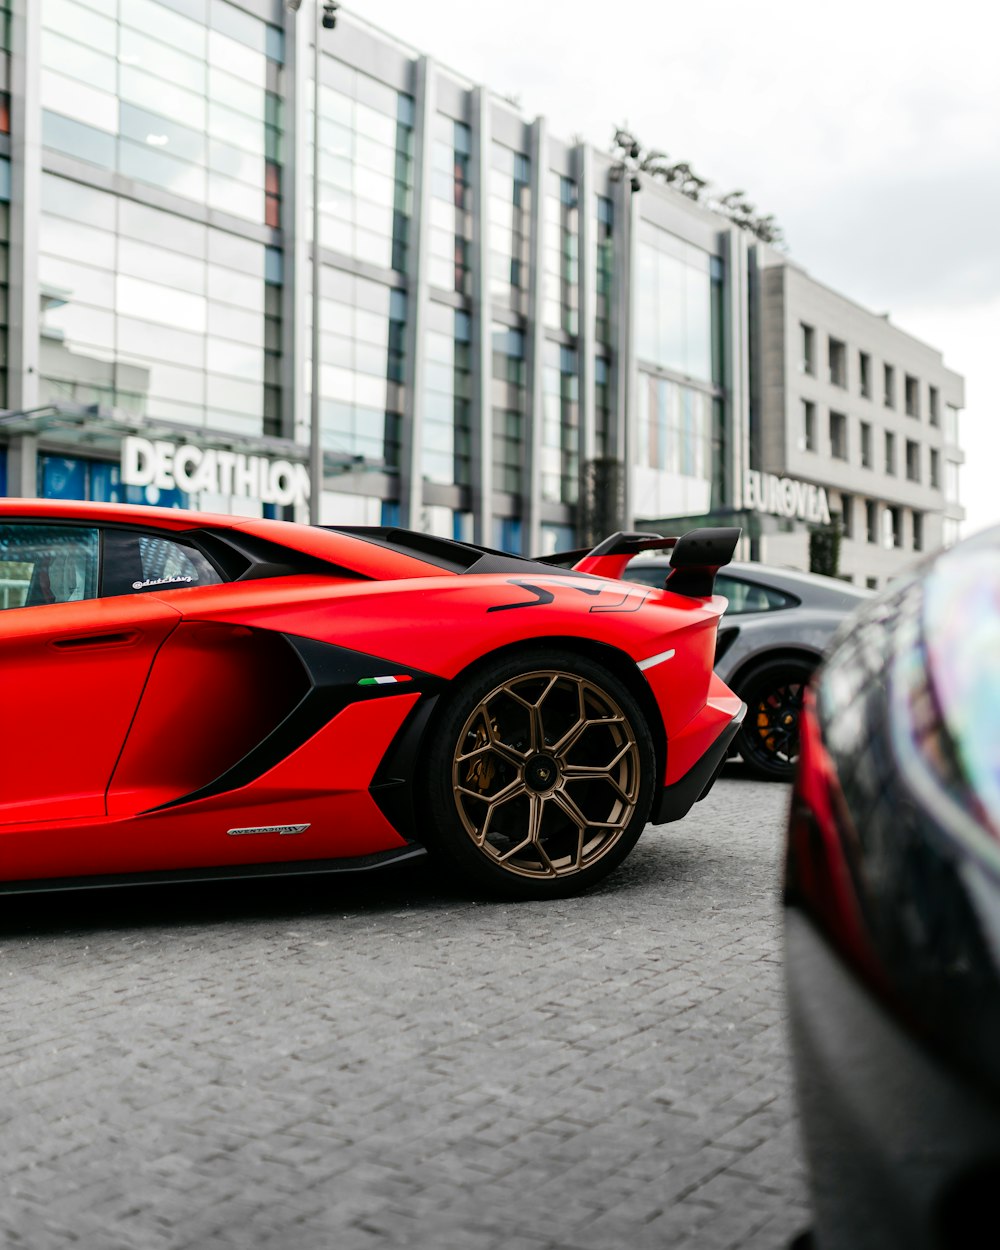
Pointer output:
x,y
697,558
619,544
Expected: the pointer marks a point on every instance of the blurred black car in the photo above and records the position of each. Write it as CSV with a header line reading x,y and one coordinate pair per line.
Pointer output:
x,y
892,917
773,635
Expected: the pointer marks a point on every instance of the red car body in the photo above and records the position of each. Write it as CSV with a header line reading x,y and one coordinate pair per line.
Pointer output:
x,y
276,719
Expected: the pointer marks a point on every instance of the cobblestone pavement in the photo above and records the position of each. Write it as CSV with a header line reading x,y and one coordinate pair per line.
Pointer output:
x,y
373,1062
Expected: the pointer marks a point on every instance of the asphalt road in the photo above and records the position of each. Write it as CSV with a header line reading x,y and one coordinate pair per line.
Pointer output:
x,y
373,1062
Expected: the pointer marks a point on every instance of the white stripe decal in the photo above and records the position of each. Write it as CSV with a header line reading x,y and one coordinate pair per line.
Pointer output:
x,y
653,660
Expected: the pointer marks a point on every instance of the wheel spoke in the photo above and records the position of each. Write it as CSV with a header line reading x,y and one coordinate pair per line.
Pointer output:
x,y
510,791
596,770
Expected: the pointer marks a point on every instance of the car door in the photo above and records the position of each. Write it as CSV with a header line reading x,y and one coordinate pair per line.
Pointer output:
x,y
72,670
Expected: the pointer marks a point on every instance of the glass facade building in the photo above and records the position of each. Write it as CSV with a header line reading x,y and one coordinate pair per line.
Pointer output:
x,y
513,345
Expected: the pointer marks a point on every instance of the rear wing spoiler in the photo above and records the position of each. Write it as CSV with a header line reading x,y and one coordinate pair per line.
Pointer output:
x,y
696,557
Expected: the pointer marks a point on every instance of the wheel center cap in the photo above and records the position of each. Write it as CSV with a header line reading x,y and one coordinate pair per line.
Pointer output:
x,y
541,772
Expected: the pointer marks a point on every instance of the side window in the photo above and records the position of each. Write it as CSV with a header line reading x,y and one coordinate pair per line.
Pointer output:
x,y
750,596
135,563
42,564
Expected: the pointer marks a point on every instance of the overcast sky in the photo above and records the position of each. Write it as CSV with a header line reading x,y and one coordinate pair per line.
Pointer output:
x,y
870,128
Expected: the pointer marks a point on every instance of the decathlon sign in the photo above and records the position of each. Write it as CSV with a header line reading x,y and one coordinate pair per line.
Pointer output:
x,y
784,496
182,466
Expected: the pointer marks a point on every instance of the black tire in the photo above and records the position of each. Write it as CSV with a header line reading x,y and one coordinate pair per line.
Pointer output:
x,y
538,776
769,736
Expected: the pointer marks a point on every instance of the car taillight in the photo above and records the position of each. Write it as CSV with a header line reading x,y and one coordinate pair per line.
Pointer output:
x,y
818,873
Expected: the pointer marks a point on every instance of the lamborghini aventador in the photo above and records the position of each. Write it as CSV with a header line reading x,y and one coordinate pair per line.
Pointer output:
x,y
189,696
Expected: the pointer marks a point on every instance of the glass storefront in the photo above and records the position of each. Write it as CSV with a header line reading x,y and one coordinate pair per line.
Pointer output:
x,y
445,454
365,167
510,216
362,325
187,102
152,313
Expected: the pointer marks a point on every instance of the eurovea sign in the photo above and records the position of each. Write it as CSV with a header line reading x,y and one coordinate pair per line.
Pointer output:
x,y
149,462
784,496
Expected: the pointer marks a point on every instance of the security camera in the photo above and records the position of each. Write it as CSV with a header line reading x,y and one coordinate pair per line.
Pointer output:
x,y
330,8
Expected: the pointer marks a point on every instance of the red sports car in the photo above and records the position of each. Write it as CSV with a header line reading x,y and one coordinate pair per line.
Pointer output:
x,y
189,696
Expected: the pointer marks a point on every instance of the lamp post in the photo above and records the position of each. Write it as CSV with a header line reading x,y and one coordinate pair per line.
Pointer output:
x,y
325,19
626,170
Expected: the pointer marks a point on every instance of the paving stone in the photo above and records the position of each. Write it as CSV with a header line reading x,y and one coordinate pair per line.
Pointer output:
x,y
375,1062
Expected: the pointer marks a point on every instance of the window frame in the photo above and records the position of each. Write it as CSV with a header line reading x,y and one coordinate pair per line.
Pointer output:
x,y
182,538
55,523
790,600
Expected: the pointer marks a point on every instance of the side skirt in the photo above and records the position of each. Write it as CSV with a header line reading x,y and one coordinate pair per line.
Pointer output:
x,y
303,868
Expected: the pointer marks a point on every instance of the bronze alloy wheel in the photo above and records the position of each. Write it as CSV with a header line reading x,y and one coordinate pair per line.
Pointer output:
x,y
546,774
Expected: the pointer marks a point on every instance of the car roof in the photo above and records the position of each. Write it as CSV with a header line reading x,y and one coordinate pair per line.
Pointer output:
x,y
135,514
811,588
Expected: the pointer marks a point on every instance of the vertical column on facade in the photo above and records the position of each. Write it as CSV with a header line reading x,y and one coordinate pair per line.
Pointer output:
x,y
25,209
586,331
482,323
411,436
532,499
295,207
622,438
736,337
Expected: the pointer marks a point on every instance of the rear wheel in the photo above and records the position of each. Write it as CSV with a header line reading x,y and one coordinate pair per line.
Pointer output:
x,y
539,776
769,737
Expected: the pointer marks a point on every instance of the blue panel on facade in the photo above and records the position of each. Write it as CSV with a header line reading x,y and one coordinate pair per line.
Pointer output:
x,y
3,471
390,513
62,478
507,534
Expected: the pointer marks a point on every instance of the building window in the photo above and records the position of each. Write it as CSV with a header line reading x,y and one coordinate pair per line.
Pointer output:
x,y
951,424
451,206
865,372
889,386
918,531
871,520
508,415
837,354
935,468
912,461
807,441
174,99
447,399
866,445
871,583
838,435
510,218
561,277
602,406
890,452
951,481
892,527
847,514
676,309
934,405
560,451
605,268
949,531
911,392
808,361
